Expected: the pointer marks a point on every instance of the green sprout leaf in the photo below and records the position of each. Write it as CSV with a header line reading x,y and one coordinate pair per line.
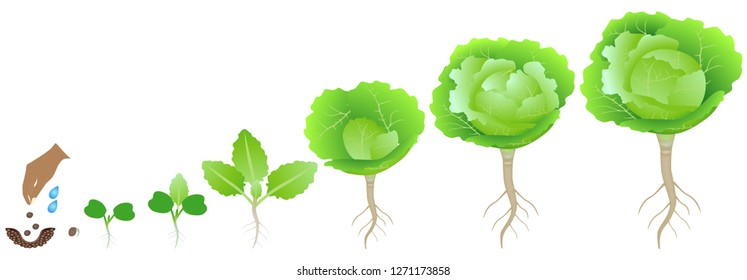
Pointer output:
x,y
249,158
195,205
161,202
365,130
291,179
503,93
95,209
256,190
223,178
655,74
123,212
178,189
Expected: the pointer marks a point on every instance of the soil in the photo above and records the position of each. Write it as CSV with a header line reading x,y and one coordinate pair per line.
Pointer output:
x,y
15,236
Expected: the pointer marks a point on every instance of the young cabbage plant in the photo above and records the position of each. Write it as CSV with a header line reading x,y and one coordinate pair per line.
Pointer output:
x,y
123,212
250,168
654,74
364,131
176,202
502,94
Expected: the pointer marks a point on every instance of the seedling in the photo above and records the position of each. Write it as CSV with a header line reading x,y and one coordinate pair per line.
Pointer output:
x,y
178,201
250,167
123,212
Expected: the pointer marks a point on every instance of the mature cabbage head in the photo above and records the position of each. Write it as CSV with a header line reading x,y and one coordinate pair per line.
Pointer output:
x,y
503,93
653,78
655,74
499,99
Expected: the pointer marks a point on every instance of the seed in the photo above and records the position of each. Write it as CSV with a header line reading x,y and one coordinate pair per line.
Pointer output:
x,y
35,226
29,215
27,233
72,231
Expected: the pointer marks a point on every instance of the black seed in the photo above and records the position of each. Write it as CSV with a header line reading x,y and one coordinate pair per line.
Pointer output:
x,y
27,233
35,226
72,231
29,215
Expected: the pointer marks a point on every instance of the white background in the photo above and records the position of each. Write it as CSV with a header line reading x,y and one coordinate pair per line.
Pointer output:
x,y
137,91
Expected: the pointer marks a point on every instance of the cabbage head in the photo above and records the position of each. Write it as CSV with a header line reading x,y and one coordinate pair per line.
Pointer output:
x,y
655,74
366,130
504,94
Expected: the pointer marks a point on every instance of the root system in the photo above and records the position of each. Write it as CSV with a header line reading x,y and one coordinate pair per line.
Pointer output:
x,y
512,194
666,142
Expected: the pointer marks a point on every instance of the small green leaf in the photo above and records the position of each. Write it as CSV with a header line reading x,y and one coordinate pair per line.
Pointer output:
x,y
123,212
256,190
178,189
160,203
194,205
249,158
95,209
223,178
291,179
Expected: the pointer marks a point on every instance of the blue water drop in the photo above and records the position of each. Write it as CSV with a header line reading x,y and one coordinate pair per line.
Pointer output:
x,y
52,207
54,192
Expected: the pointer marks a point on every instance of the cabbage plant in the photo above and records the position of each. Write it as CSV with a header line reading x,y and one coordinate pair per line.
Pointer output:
x,y
659,75
502,94
364,131
244,178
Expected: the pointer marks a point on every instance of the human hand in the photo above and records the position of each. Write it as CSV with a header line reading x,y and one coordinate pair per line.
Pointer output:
x,y
40,171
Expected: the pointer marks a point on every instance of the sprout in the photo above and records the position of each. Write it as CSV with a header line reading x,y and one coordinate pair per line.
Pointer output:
x,y
176,202
123,212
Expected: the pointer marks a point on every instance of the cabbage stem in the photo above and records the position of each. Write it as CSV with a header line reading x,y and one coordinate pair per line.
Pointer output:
x,y
508,182
375,211
512,194
371,206
666,141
